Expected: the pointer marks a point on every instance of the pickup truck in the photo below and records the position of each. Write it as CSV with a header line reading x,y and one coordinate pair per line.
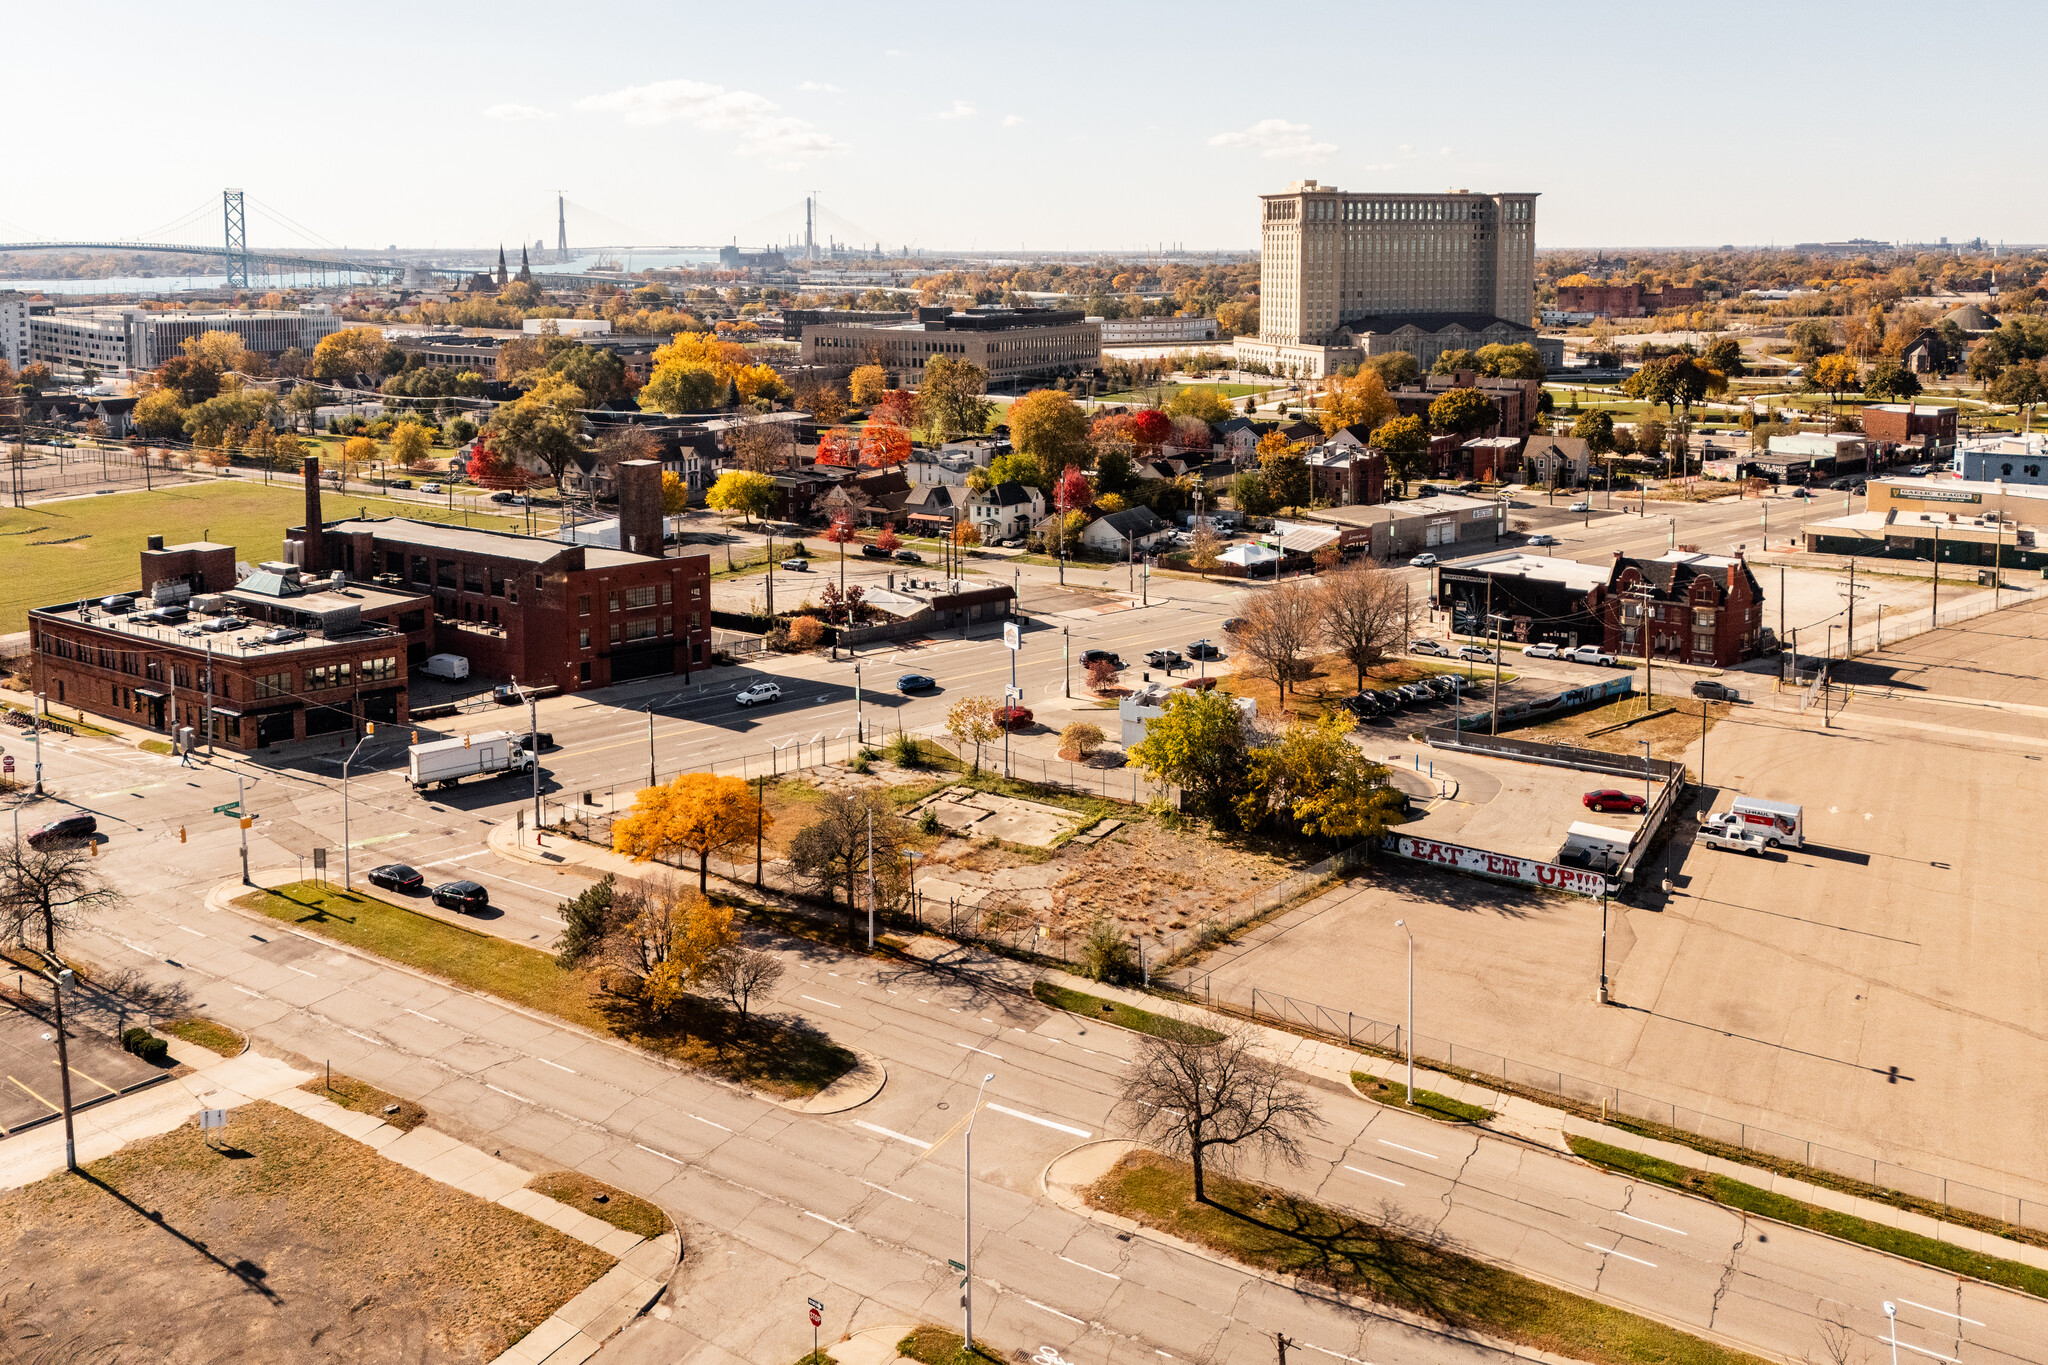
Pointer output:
x,y
1733,839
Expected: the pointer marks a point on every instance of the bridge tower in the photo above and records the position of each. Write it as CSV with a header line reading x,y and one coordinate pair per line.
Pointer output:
x,y
561,227
238,239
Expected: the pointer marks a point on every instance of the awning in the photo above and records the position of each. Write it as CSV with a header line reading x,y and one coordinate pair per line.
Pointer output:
x,y
227,711
151,693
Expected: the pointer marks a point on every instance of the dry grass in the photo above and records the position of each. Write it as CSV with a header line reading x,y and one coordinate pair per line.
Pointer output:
x,y
207,1034
1331,679
1669,735
361,1097
295,1244
602,1201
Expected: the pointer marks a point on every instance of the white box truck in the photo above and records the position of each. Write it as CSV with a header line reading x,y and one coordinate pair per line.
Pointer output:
x,y
1779,822
448,761
451,666
1600,847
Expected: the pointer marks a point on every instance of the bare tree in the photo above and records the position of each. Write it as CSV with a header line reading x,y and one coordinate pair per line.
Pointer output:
x,y
761,446
620,444
1280,626
44,890
1205,547
742,974
832,851
1364,615
1210,1099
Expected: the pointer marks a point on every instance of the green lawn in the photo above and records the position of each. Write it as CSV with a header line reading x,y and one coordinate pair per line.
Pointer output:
x,y
103,537
788,1059
1737,1195
205,1033
1428,1103
1278,1232
1106,1011
1227,390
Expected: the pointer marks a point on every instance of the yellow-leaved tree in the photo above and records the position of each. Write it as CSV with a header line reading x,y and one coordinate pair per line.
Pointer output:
x,y
410,444
356,452
868,384
700,813
1360,400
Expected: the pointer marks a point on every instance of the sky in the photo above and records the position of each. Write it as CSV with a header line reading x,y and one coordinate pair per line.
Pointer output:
x,y
1049,126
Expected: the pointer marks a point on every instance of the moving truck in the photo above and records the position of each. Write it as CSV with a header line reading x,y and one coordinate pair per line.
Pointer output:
x,y
1779,822
448,761
1599,847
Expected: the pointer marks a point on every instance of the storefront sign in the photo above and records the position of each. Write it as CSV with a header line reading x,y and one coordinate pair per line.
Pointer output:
x,y
1498,866
1905,492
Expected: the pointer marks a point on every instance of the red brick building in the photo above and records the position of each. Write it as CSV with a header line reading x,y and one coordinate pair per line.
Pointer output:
x,y
1689,608
1515,400
1602,300
1909,424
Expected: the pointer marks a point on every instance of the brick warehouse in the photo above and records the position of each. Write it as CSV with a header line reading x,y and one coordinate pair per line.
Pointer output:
x,y
376,598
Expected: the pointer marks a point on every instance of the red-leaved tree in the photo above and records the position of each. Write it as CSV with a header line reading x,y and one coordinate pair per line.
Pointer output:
x,y
887,540
1072,493
1151,428
490,467
884,445
897,408
838,447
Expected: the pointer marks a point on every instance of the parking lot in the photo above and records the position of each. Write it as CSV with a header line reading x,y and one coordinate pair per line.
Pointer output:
x,y
1504,806
29,1085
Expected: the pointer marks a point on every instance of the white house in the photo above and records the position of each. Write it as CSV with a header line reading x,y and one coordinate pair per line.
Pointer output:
x,y
1118,532
1004,510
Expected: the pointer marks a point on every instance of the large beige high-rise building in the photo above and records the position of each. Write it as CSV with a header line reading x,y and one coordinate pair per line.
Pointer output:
x,y
1347,275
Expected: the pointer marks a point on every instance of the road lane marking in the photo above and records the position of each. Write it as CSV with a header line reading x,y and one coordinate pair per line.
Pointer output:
x,y
246,991
1055,1312
982,1050
508,1094
544,1061
194,932
1610,1251
1399,1148
886,1190
428,1017
891,1133
1033,1118
1104,1273
814,1000
1943,1311
1370,1176
719,1126
301,971
1648,1224
663,1155
1328,1352
1921,1350
823,1219
364,1036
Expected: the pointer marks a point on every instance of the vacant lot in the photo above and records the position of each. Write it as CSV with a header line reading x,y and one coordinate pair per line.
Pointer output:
x,y
292,1244
1330,679
87,547
1673,731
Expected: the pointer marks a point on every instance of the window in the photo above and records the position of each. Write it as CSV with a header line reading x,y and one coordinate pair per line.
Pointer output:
x,y
611,602
583,605
270,685
327,675
1703,618
536,583
583,639
394,563
378,670
583,671
668,593
639,597
668,625
615,632
693,623
420,571
497,586
472,578
1703,644
639,630
444,573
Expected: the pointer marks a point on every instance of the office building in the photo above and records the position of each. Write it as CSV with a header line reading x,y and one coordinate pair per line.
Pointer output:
x,y
1013,346
1343,276
1155,331
117,340
15,311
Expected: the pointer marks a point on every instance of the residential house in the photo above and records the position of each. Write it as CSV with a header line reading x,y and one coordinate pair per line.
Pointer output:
x,y
1122,533
1556,459
1688,607
1005,510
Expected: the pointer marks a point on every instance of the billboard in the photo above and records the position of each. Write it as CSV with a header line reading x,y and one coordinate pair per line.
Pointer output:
x,y
1499,866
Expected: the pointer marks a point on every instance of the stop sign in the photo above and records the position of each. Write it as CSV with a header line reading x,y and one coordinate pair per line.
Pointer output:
x,y
816,1317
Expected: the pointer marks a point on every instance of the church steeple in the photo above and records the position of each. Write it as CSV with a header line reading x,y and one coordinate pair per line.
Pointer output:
x,y
501,265
525,270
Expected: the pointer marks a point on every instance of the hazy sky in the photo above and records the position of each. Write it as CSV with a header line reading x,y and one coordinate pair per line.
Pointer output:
x,y
1043,125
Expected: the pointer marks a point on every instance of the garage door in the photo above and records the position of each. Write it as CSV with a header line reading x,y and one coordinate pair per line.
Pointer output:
x,y
645,663
1439,533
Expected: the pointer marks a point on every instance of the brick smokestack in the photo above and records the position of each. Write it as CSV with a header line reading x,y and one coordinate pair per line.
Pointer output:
x,y
640,519
313,550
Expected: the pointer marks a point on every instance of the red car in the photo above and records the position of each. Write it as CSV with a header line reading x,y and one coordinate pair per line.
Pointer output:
x,y
1610,800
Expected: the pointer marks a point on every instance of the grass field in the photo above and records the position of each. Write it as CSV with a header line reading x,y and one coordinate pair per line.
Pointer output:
x,y
1406,1266
102,537
1108,1011
1428,1103
1146,395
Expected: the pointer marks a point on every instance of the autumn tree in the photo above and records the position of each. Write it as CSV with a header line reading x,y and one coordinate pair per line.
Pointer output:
x,y
159,414
972,720
887,539
1280,628
700,813
411,444
542,427
897,405
675,493
1516,360
1315,779
1360,400
1463,412
349,352
1405,443
1285,470
681,386
666,939
831,852
1050,427
1364,615
356,453
617,445
1451,361
950,401
2017,386
884,445
868,384
839,448
762,445
743,491
1394,368
1891,382
490,467
225,351
190,380
1205,547
1596,428
1197,744
1833,375
1198,401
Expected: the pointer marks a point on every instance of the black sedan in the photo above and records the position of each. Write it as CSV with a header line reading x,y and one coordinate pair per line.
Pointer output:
x,y
915,682
462,896
396,877
1091,656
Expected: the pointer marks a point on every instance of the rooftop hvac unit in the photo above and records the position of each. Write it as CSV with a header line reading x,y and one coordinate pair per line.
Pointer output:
x,y
337,580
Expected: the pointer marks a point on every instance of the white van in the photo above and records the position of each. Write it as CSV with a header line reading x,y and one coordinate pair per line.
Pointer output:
x,y
450,666
1597,846
1779,822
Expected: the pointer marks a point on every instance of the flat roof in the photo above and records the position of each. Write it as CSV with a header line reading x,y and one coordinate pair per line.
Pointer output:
x,y
1695,559
1918,521
241,643
1571,573
1907,487
1446,502
435,535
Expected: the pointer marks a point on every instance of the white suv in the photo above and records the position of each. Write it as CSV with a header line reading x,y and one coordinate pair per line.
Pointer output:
x,y
1423,645
759,692
1543,649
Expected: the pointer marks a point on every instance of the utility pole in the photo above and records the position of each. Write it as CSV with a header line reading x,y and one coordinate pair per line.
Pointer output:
x,y
60,978
650,742
760,795
1493,722
242,819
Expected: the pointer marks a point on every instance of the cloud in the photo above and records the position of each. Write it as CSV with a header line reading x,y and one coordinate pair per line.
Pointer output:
x,y
763,129
1278,140
515,113
960,109
821,88
894,52
1013,121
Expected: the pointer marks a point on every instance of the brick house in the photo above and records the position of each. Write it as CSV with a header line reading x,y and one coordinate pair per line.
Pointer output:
x,y
1686,607
1909,424
1514,400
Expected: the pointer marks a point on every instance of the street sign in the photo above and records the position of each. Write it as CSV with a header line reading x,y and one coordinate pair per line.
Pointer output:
x,y
319,860
816,1317
1012,637
213,1118
1014,693
816,1306
231,808
7,763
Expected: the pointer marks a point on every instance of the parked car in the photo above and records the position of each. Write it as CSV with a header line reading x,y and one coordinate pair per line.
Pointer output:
x,y
1608,800
1582,505
280,635
505,694
1168,659
430,488
1802,492
1233,625
1366,705
396,877
1425,645
797,565
1422,694
759,692
1444,684
1093,656
908,557
502,496
1859,486
915,682
1476,652
398,483
873,552
1542,540
1589,654
538,740
1422,561
1202,649
62,831
1715,691
464,897
1542,649
1013,543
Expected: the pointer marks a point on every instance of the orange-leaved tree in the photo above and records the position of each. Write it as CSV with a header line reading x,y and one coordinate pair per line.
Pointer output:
x,y
884,445
838,447
700,813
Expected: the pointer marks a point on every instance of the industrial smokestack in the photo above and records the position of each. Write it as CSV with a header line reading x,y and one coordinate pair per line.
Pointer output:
x,y
640,519
313,554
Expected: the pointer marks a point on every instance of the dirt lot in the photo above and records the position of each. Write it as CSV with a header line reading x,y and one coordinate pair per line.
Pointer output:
x,y
293,1244
1672,735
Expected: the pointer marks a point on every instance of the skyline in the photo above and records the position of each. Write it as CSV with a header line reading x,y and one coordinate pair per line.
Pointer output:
x,y
968,136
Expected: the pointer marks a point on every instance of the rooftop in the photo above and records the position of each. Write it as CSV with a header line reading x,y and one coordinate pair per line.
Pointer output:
x,y
1948,489
1541,568
303,610
502,544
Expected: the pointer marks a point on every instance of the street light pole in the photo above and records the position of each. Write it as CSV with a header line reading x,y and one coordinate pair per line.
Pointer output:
x,y
967,1183
60,979
533,747
1067,661
346,852
650,743
1402,925
1646,768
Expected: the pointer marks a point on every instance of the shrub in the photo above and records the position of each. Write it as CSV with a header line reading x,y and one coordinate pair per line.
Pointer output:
x,y
806,632
1079,740
146,1045
861,763
1014,718
928,822
905,752
1106,954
